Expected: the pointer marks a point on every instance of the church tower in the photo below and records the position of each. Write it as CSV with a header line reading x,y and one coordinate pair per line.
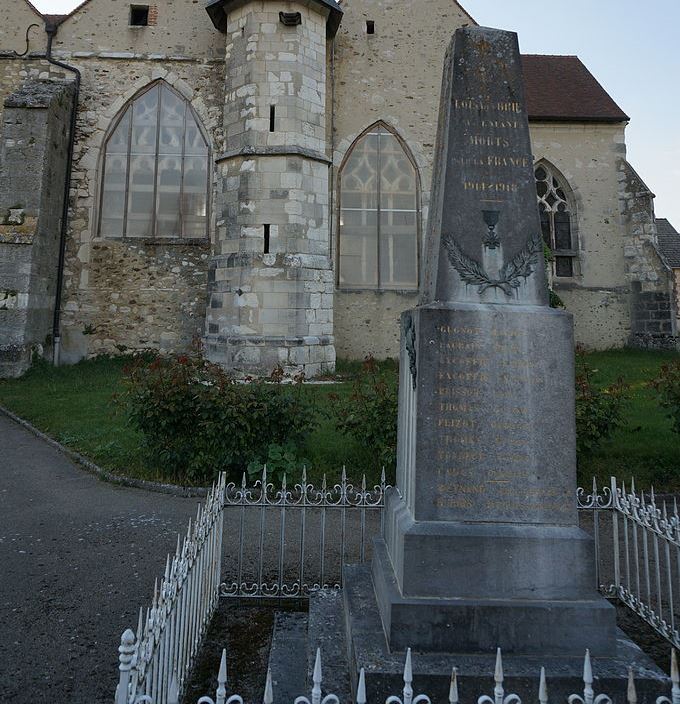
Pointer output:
x,y
270,279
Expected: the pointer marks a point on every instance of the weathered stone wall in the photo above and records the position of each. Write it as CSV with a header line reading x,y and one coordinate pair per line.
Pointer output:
x,y
271,295
393,75
653,323
34,150
16,16
587,156
133,293
102,28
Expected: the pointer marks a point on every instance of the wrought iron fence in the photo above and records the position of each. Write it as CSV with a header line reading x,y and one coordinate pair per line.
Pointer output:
x,y
159,656
642,543
295,539
406,696
299,537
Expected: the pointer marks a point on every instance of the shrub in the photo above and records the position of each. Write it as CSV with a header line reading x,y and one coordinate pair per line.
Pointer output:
x,y
280,460
369,413
667,386
599,411
197,420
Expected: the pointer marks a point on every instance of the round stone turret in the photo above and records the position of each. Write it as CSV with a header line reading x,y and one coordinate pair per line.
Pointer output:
x,y
271,280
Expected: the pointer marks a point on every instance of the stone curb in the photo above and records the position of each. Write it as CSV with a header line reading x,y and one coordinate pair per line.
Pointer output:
x,y
104,475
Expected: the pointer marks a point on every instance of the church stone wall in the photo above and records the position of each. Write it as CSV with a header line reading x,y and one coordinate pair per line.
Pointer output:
x,y
393,75
181,28
132,293
653,323
34,149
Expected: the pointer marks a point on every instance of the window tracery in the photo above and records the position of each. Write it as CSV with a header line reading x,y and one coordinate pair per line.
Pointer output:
x,y
155,172
556,220
379,214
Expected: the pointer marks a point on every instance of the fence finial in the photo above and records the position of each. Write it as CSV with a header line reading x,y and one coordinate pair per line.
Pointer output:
x,y
588,692
173,691
498,672
675,677
408,679
140,625
221,694
316,678
453,687
361,689
543,688
126,652
631,693
268,689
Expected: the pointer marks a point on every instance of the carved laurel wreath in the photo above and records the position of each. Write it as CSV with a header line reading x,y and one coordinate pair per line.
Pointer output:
x,y
410,343
521,266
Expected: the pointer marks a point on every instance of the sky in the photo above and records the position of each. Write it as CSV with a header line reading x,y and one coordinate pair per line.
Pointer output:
x,y
629,45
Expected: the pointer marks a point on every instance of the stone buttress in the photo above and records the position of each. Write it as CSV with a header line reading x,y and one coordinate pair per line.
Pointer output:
x,y
270,277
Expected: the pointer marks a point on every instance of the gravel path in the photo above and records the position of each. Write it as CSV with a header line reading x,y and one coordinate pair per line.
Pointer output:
x,y
77,558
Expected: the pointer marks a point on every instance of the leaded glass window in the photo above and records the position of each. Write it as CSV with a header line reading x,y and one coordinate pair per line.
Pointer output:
x,y
155,175
556,220
379,214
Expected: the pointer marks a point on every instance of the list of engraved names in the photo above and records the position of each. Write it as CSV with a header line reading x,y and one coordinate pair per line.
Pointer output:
x,y
483,436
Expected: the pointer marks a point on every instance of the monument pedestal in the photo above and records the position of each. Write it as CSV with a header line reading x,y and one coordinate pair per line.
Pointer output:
x,y
384,666
483,550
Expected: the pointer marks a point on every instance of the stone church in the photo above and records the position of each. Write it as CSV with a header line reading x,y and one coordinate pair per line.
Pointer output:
x,y
256,174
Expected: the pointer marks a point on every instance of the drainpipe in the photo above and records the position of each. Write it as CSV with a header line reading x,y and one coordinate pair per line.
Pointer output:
x,y
51,30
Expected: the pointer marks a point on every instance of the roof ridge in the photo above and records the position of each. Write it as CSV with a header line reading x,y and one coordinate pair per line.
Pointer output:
x,y
556,56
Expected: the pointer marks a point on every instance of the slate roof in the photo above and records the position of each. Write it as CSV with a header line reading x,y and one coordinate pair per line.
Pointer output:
x,y
217,11
669,242
562,89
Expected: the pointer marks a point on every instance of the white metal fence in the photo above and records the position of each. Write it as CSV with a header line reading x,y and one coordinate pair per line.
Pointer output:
x,y
407,696
295,539
638,553
301,537
169,634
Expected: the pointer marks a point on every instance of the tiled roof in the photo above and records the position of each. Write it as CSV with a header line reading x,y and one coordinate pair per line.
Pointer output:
x,y
562,89
669,242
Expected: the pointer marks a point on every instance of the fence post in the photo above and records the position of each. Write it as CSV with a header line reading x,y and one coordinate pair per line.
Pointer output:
x,y
126,655
615,534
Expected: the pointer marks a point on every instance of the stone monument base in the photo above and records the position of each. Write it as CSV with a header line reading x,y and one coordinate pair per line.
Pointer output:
x,y
367,648
477,625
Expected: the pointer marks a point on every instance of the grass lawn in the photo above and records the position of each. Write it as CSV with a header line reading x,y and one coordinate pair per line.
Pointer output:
x,y
76,405
645,447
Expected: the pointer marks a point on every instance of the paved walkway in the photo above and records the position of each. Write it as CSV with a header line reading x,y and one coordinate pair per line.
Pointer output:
x,y
77,558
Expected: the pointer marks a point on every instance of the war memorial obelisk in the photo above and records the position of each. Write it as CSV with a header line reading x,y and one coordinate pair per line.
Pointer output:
x,y
481,546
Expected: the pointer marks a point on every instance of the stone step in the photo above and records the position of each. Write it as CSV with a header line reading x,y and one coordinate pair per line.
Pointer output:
x,y
288,656
327,632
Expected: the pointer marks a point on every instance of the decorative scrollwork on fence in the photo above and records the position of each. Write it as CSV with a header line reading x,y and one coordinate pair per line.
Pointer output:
x,y
305,500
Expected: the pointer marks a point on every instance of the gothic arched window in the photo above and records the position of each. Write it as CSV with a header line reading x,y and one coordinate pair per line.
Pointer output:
x,y
556,219
155,172
379,214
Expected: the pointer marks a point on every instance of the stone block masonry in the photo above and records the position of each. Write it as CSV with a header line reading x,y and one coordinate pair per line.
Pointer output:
x,y
33,161
271,281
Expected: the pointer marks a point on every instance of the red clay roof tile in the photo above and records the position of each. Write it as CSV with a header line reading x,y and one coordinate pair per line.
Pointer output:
x,y
561,88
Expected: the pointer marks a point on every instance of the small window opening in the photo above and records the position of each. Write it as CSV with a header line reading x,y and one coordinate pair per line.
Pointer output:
x,y
370,27
266,238
272,118
139,15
